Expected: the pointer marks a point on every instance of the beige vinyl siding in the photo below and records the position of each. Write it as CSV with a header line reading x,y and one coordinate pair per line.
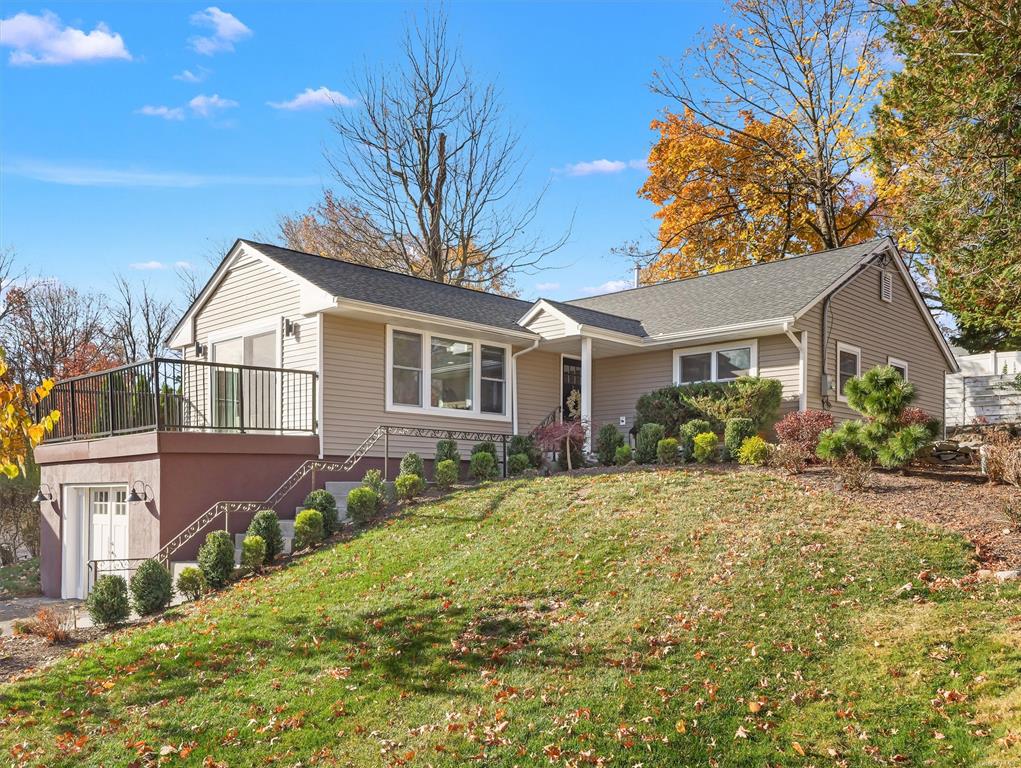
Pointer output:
x,y
548,326
881,329
253,292
538,388
779,359
620,381
354,378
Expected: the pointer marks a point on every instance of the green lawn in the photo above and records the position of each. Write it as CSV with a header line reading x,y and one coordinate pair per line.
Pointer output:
x,y
20,579
652,619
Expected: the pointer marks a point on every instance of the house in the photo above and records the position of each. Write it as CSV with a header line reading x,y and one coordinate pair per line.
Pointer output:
x,y
297,371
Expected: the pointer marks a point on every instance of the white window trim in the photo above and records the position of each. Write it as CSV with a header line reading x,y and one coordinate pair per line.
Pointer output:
x,y
426,378
856,351
900,364
753,369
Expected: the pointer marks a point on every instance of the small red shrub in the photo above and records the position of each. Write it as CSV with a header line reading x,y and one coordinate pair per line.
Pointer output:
x,y
802,428
914,415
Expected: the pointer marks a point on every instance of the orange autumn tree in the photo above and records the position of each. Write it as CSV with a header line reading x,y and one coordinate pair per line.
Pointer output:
x,y
766,155
19,433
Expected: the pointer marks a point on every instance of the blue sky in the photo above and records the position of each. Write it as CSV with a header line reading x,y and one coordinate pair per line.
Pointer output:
x,y
138,134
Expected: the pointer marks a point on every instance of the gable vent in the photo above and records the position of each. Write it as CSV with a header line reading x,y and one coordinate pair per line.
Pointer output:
x,y
886,287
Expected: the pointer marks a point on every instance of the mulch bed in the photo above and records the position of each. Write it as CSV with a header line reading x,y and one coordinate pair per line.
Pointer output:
x,y
23,654
958,499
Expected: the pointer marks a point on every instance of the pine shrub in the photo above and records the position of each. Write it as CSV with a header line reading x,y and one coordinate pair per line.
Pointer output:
x,y
646,443
216,558
151,588
608,439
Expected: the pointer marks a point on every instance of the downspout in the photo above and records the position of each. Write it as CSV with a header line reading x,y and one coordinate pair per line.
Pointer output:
x,y
514,382
802,347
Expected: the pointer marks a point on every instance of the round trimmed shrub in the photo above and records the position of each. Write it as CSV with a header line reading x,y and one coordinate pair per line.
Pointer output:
x,y
735,433
446,473
324,502
191,583
517,463
266,526
446,449
622,456
608,440
686,436
412,464
362,503
666,451
486,446
373,480
482,466
253,552
707,446
526,444
308,528
107,603
216,558
408,487
151,588
645,444
754,451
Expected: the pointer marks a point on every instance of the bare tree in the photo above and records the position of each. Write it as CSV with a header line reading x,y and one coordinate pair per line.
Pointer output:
x,y
139,321
55,330
430,169
10,276
812,67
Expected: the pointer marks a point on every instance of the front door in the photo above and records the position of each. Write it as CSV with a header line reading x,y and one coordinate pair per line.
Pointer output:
x,y
570,382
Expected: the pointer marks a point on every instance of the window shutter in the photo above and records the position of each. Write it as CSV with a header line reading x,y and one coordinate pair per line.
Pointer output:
x,y
886,287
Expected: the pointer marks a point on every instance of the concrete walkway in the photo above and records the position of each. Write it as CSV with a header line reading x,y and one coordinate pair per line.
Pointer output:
x,y
20,608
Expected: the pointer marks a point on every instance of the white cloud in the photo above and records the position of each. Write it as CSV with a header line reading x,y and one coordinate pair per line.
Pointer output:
x,y
76,175
185,265
187,76
167,113
148,265
44,39
205,106
226,28
610,286
313,99
603,166
547,287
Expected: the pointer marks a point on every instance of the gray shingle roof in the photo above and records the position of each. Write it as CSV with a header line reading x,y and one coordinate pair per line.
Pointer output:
x,y
598,319
392,289
761,292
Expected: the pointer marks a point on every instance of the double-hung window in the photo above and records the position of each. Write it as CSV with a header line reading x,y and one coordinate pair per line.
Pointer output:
x,y
724,362
900,366
848,367
446,374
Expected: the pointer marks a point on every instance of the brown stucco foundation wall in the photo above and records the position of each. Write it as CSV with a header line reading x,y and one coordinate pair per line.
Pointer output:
x,y
183,475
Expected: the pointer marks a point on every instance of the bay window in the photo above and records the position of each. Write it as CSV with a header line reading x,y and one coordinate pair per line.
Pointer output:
x,y
723,362
443,374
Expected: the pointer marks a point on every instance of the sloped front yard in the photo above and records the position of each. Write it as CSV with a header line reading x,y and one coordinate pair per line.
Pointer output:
x,y
646,618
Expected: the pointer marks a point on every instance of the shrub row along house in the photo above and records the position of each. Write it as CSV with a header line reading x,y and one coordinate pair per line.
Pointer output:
x,y
299,371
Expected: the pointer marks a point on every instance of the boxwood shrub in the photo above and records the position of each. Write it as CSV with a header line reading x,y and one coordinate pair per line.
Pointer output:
x,y
107,603
151,588
622,456
482,466
412,464
324,502
446,449
526,444
266,525
191,583
445,473
666,450
608,439
408,486
517,463
738,430
253,552
707,446
687,433
362,503
645,444
308,528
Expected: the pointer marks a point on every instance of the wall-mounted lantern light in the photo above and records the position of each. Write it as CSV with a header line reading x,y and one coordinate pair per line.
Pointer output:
x,y
134,496
40,497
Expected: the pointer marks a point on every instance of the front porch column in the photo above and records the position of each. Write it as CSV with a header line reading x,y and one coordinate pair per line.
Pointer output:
x,y
586,390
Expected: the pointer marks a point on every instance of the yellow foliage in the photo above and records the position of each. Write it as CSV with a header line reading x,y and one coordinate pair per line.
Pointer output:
x,y
18,432
732,198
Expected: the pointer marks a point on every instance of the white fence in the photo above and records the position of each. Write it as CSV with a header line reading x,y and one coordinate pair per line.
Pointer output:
x,y
982,399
